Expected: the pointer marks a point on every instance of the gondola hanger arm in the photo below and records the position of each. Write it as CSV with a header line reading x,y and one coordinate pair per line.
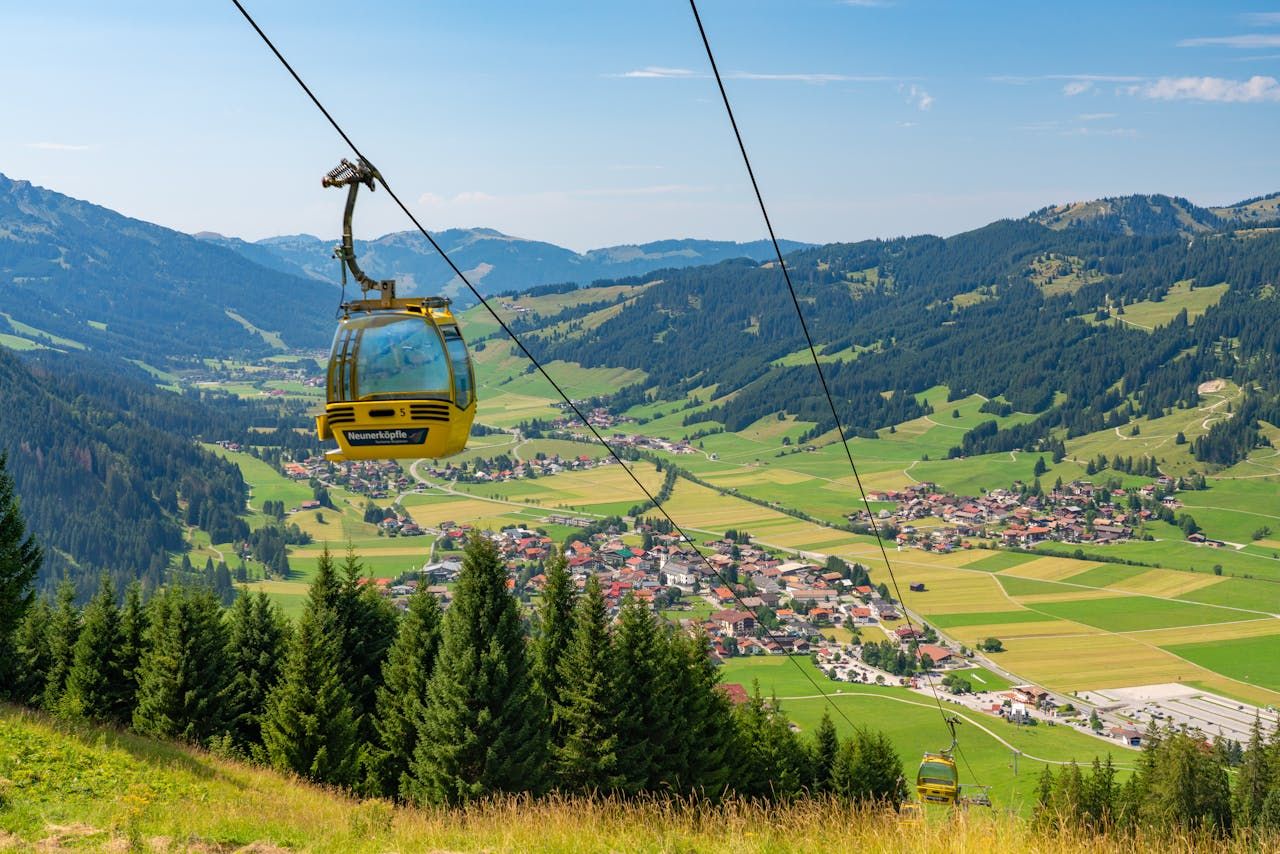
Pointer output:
x,y
352,175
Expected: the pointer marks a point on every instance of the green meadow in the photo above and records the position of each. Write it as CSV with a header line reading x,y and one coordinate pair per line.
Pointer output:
x,y
1253,660
912,721
1135,613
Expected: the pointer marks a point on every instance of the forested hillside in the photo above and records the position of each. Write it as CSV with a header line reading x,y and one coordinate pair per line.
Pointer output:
x,y
108,470
1016,311
81,276
493,261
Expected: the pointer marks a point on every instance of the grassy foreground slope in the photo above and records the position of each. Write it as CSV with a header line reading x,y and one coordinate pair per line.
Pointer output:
x,y
89,788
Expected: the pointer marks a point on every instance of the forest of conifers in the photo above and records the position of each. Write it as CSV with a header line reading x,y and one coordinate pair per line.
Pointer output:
x,y
101,457
1013,339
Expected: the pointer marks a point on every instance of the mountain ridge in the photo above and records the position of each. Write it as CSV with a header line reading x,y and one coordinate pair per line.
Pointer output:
x,y
1156,214
91,277
493,260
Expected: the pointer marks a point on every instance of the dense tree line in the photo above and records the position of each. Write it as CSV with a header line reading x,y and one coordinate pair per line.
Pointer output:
x,y
1231,439
269,545
433,707
724,325
109,468
1182,783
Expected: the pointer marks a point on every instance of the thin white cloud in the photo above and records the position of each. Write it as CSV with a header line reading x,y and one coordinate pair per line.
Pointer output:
x,y
1093,131
654,72
1061,128
58,146
1251,40
1077,87
1256,89
658,72
657,190
1262,19
1095,117
917,97
812,78
1022,80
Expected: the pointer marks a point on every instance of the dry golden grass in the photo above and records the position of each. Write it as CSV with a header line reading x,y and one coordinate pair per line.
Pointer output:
x,y
1095,661
1219,632
946,591
430,513
754,476
1167,582
99,789
602,485
1008,632
1068,594
1051,568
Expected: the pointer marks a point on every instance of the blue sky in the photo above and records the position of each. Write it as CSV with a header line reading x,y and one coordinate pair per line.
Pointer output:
x,y
595,123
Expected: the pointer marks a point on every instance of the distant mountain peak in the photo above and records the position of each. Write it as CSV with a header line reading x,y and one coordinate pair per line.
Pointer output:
x,y
1155,214
508,262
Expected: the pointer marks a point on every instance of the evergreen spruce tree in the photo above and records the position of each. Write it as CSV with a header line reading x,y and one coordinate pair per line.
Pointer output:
x,y
484,730
222,584
1254,780
705,744
554,630
133,631
1068,792
643,696
31,655
1099,805
588,713
868,770
1186,787
402,698
309,727
826,746
64,629
256,648
20,558
367,628
184,671
1269,820
95,682
770,761
1043,816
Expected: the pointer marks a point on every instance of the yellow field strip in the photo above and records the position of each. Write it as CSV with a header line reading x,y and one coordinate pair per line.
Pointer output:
x,y
1051,568
1166,582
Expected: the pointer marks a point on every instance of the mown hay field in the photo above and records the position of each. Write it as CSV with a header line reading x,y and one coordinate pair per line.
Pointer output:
x,y
1255,660
1051,568
1130,613
1169,583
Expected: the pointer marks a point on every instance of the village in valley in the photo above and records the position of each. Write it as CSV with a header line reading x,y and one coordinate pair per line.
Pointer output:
x,y
754,600
1076,512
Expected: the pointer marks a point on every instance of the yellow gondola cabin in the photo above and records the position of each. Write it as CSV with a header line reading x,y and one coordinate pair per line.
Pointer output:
x,y
400,382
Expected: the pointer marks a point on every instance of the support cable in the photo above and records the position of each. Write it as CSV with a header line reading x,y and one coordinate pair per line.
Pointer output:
x,y
804,326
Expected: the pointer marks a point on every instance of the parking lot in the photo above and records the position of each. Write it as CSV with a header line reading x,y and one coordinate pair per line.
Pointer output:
x,y
1183,705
